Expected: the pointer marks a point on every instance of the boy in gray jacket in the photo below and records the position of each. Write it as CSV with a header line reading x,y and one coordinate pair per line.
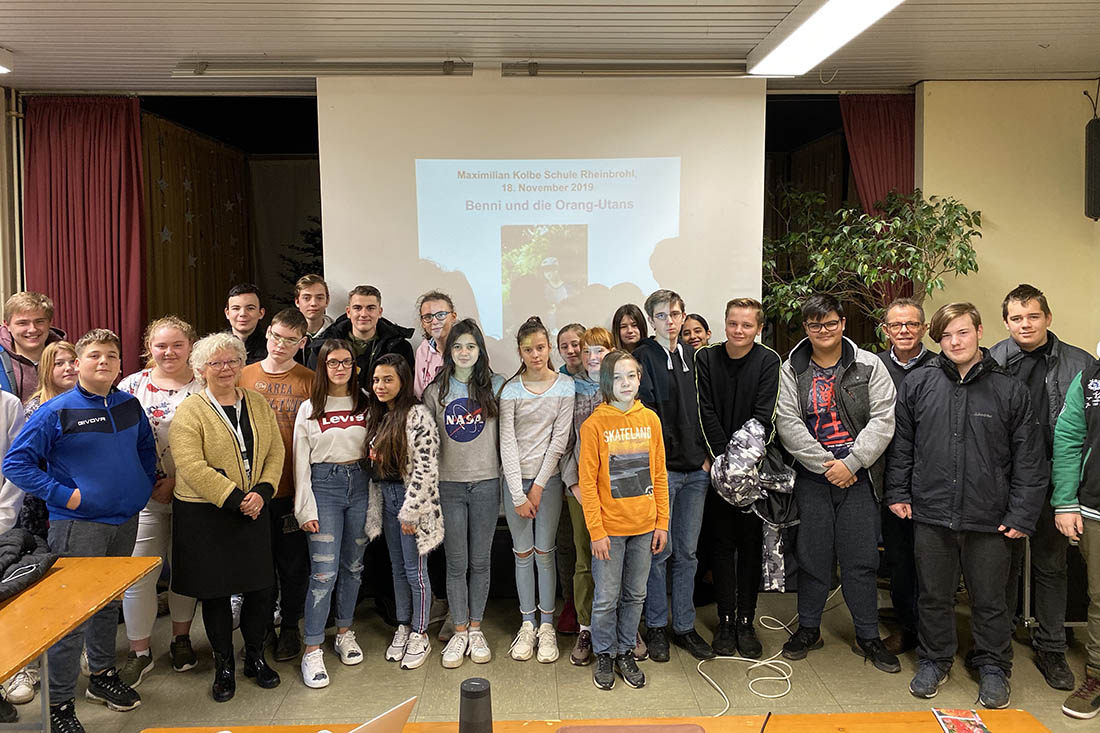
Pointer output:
x,y
836,418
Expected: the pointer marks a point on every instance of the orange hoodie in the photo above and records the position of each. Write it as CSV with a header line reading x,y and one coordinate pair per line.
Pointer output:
x,y
623,480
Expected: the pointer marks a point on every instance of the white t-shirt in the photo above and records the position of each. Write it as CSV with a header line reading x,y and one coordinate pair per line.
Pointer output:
x,y
338,437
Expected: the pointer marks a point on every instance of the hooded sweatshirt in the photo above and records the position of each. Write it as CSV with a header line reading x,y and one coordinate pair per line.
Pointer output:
x,y
623,480
24,376
389,338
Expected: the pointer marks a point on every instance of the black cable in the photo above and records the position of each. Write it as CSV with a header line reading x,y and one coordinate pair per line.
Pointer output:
x,y
1095,102
766,719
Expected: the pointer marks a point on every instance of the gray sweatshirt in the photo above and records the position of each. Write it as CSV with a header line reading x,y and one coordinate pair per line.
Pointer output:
x,y
534,432
468,444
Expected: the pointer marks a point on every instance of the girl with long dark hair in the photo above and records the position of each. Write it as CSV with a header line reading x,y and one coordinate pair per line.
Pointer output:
x,y
536,420
404,499
330,502
463,400
628,327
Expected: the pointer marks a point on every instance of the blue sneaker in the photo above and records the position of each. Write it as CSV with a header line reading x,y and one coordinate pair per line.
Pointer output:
x,y
928,680
993,688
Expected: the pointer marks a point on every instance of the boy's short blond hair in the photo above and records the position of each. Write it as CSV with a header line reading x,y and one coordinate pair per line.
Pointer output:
x,y
98,336
28,300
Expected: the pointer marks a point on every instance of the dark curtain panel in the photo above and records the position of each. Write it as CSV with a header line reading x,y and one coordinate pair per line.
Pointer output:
x,y
82,215
881,133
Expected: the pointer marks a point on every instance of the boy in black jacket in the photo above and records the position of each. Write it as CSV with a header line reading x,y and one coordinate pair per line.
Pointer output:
x,y
736,380
966,465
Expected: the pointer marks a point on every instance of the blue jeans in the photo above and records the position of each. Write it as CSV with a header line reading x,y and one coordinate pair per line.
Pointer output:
x,y
412,591
470,511
687,493
538,534
620,593
336,548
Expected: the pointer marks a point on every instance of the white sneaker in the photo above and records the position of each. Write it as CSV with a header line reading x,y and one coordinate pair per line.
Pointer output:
x,y
548,644
523,646
479,648
235,602
314,673
455,651
396,650
20,688
348,649
416,651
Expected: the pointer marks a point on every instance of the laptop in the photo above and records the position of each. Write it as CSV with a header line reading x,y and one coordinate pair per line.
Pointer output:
x,y
391,721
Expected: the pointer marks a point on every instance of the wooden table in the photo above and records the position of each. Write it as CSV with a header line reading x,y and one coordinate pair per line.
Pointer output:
x,y
999,721
72,591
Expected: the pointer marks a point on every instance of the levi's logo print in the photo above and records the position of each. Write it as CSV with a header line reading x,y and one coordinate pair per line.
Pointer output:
x,y
340,419
628,461
463,420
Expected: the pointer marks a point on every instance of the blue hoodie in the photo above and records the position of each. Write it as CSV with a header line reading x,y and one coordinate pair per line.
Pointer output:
x,y
101,445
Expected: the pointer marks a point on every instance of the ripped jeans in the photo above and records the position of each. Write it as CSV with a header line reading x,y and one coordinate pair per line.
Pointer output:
x,y
336,549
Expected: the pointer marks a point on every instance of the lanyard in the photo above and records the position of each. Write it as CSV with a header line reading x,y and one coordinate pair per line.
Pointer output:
x,y
236,428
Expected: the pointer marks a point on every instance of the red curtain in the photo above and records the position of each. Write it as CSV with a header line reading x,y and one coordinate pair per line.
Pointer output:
x,y
881,133
82,214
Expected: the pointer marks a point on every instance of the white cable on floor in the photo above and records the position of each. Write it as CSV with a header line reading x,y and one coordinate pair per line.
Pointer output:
x,y
783,670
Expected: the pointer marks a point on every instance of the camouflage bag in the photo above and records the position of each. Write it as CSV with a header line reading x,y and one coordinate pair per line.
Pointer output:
x,y
734,473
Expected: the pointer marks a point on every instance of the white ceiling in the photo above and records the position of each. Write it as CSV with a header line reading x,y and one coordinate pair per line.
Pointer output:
x,y
133,45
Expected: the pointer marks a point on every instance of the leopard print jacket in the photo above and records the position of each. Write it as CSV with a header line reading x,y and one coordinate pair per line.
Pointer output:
x,y
421,473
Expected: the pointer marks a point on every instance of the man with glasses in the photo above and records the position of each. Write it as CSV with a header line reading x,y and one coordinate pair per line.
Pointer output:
x,y
1047,365
244,313
836,418
437,315
285,384
369,334
668,388
904,326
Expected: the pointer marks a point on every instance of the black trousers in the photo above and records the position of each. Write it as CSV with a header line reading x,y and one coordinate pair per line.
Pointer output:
x,y
290,548
735,539
983,558
1048,580
897,539
256,610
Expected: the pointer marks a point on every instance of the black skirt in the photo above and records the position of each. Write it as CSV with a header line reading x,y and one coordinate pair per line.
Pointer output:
x,y
218,552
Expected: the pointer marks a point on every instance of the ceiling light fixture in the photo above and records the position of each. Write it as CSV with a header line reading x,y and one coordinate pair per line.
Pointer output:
x,y
682,69
820,29
7,61
273,68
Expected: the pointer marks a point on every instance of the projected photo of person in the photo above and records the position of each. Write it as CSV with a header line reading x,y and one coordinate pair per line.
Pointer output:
x,y
542,266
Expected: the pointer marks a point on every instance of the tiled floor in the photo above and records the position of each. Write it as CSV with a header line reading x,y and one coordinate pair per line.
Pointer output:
x,y
830,680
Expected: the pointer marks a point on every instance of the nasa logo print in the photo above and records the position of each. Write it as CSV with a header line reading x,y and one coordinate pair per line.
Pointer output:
x,y
463,420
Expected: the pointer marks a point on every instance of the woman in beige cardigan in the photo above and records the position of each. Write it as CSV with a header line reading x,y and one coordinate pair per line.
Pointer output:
x,y
229,457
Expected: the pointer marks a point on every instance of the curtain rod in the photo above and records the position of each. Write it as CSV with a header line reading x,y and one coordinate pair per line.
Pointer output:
x,y
162,93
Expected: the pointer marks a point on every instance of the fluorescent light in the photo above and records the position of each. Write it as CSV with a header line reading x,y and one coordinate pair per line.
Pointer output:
x,y
7,61
823,33
285,68
688,69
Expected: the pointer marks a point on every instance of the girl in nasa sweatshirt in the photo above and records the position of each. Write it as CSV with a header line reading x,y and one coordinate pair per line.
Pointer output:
x,y
330,502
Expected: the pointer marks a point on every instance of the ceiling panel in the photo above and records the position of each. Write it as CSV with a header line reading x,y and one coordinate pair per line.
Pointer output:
x,y
133,45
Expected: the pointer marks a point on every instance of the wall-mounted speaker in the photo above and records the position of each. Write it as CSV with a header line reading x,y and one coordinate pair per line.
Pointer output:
x,y
1092,169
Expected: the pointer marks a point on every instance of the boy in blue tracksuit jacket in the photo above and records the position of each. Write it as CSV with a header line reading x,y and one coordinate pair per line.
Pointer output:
x,y
89,454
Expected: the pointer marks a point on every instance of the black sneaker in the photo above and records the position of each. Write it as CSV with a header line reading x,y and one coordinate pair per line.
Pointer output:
x,y
928,680
63,718
694,644
627,668
875,652
656,641
289,645
1055,670
107,689
747,643
802,642
183,656
603,676
993,689
725,638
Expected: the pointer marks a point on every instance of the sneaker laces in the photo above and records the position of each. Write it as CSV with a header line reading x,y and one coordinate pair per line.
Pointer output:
x,y
418,644
546,635
401,636
525,634
477,641
314,662
457,645
110,682
63,718
1088,689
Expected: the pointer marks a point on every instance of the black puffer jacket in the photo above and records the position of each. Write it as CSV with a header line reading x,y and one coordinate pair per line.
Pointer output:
x,y
24,559
389,338
967,454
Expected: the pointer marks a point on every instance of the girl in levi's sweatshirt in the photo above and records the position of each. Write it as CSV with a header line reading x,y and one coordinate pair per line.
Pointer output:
x,y
536,414
330,502
624,493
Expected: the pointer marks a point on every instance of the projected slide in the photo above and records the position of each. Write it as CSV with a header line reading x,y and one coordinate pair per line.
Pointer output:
x,y
545,236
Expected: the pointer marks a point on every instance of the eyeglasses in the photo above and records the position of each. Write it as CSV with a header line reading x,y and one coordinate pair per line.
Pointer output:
x,y
670,316
819,326
285,341
219,365
339,363
897,326
438,315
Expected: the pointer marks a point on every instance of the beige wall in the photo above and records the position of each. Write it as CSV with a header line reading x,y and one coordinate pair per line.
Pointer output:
x,y
1016,151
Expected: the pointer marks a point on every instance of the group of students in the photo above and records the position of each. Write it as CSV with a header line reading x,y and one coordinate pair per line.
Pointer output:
x,y
289,447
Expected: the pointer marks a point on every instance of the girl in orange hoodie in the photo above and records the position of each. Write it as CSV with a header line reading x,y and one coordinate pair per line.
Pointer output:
x,y
624,492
